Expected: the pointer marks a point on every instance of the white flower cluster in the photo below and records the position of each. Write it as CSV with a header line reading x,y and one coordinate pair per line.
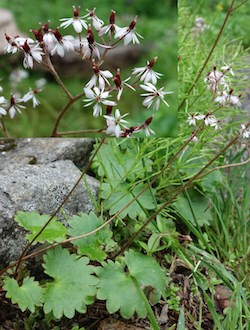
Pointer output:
x,y
199,26
103,83
15,102
219,83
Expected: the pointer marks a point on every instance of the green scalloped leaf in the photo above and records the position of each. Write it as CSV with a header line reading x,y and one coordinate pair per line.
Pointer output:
x,y
73,286
33,222
90,245
117,199
119,288
200,209
28,296
146,270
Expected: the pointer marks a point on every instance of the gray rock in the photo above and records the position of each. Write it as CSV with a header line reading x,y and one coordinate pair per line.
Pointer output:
x,y
39,188
44,151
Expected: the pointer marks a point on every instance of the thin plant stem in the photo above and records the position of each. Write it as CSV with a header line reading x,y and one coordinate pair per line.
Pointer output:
x,y
53,71
230,9
62,113
4,128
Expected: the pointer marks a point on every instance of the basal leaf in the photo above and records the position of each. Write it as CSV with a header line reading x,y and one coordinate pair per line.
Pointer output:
x,y
33,222
27,296
212,181
200,209
119,291
146,271
73,286
123,195
119,165
90,245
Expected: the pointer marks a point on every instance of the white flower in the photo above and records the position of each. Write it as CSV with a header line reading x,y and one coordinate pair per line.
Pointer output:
x,y
154,96
98,96
77,21
216,124
226,68
16,43
209,119
96,22
111,28
40,83
147,73
193,117
31,52
244,132
148,131
222,98
200,25
14,106
17,76
31,95
3,102
120,84
195,139
145,127
234,100
114,123
62,43
100,77
128,34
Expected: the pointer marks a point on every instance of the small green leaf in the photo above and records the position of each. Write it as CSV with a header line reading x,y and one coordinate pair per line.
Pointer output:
x,y
27,296
73,286
200,208
212,181
90,245
33,222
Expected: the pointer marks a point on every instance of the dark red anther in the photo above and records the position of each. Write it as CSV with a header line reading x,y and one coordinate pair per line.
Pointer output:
x,y
45,27
215,67
12,100
91,12
26,47
38,34
7,37
132,24
230,92
152,62
148,121
109,110
76,11
112,17
90,36
117,79
57,34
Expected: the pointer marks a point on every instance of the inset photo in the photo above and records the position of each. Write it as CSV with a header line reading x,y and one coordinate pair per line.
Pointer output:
x,y
92,69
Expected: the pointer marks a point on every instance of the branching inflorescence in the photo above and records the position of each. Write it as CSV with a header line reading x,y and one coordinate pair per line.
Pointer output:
x,y
104,88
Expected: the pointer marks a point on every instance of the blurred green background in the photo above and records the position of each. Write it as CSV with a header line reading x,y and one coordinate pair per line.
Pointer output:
x,y
215,10
157,23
